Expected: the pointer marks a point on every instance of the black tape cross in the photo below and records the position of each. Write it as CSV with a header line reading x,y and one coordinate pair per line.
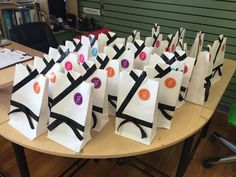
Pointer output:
x,y
48,66
217,69
180,58
103,63
63,54
139,48
77,46
26,80
128,118
167,60
207,86
24,109
75,126
163,108
75,84
218,49
155,37
119,52
162,72
111,38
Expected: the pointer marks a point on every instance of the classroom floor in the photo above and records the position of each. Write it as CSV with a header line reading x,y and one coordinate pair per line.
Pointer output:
x,y
42,165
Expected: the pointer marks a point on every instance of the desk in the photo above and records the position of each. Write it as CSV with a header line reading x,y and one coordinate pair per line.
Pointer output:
x,y
188,120
7,74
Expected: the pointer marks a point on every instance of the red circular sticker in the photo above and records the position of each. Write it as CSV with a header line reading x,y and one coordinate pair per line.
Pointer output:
x,y
223,48
68,66
142,56
173,48
81,58
144,94
110,71
167,49
52,77
185,69
170,82
36,87
157,44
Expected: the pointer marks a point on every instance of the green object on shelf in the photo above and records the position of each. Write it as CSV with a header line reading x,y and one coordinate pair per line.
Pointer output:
x,y
232,115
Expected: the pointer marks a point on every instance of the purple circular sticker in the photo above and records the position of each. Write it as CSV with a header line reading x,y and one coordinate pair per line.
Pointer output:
x,y
97,82
78,98
124,63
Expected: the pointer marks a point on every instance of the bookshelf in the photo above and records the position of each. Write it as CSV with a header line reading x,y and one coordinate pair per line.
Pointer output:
x,y
8,11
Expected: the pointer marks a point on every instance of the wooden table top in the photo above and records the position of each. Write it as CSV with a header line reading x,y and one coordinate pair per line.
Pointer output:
x,y
187,120
107,144
7,74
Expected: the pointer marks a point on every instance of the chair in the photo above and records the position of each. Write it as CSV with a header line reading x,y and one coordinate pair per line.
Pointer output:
x,y
216,137
36,35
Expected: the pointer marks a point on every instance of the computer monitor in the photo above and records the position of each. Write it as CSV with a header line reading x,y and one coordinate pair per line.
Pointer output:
x,y
57,8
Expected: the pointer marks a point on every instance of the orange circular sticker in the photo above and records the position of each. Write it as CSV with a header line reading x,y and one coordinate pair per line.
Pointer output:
x,y
170,82
36,87
223,48
144,94
110,71
52,77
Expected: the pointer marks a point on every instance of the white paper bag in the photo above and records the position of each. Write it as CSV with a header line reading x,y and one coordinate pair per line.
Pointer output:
x,y
59,54
74,45
100,94
29,102
180,34
136,95
200,83
197,46
125,57
92,42
106,40
155,42
169,45
156,29
49,68
218,55
169,88
187,70
134,36
142,54
113,70
70,125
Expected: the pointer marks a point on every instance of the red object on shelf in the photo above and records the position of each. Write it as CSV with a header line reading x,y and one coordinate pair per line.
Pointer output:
x,y
104,30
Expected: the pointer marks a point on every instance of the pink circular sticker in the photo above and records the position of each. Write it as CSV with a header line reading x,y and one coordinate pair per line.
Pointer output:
x,y
68,66
142,56
173,48
185,69
81,58
157,44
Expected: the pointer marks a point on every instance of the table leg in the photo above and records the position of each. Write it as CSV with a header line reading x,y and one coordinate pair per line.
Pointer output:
x,y
2,175
21,160
186,150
